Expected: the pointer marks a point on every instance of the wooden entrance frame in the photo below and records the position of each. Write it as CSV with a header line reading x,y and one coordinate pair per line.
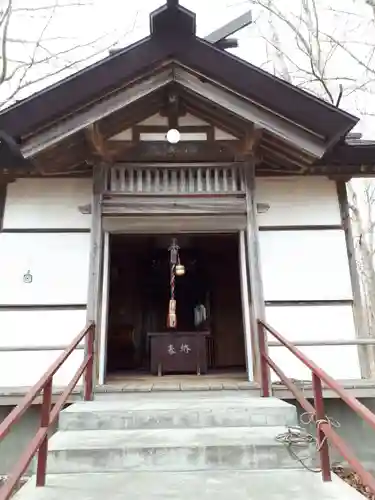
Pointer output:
x,y
247,303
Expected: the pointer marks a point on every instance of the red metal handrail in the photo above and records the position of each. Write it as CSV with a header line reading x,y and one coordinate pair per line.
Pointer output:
x,y
39,443
324,430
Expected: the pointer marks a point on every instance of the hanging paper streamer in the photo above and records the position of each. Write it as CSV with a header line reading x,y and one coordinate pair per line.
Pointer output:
x,y
172,318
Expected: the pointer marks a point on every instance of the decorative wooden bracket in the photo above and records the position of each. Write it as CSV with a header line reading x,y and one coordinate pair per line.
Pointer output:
x,y
85,209
249,146
97,142
252,141
262,208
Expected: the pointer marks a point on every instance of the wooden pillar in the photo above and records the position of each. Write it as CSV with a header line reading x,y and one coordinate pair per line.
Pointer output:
x,y
257,307
245,297
365,353
96,247
3,194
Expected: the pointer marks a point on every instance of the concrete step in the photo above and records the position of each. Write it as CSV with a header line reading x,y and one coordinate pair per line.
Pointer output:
x,y
178,410
207,485
222,448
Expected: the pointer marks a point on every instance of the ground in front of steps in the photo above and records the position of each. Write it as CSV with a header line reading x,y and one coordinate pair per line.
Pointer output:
x,y
207,485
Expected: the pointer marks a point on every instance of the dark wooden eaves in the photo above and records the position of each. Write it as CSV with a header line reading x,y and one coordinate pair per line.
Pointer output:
x,y
350,154
11,157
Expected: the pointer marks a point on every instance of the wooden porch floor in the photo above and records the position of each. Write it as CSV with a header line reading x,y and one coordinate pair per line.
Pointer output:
x,y
145,382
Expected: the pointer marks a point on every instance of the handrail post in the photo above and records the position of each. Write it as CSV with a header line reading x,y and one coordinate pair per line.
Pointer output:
x,y
321,437
89,372
264,368
44,423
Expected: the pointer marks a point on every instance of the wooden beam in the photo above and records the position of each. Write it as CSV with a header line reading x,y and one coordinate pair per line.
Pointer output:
x,y
227,43
184,151
230,28
339,178
365,354
174,205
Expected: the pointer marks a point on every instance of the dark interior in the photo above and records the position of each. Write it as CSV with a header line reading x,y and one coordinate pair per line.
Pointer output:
x,y
140,293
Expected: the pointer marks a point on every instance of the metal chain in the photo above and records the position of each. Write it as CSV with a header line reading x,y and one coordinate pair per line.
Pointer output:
x,y
298,436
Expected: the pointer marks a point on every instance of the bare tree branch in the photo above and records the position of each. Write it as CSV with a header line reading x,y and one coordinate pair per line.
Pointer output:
x,y
43,54
49,7
5,26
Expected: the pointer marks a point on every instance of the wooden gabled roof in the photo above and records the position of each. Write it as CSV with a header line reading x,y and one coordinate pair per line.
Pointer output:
x,y
173,38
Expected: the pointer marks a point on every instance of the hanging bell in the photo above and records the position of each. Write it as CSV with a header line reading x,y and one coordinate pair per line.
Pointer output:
x,y
180,270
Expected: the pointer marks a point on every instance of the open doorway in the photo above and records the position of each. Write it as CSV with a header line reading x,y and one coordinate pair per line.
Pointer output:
x,y
139,295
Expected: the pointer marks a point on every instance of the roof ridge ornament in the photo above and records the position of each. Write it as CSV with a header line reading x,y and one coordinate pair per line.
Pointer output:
x,y
173,22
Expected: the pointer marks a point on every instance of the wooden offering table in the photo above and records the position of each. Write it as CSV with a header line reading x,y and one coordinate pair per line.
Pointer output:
x,y
178,352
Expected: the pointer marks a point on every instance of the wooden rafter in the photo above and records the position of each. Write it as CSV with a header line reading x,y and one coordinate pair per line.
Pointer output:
x,y
205,110
213,121
276,166
272,152
286,149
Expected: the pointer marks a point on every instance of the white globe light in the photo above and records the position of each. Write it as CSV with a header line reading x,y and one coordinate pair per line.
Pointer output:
x,y
173,136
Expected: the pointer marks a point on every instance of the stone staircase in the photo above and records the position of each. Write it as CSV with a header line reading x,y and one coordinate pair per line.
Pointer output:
x,y
178,445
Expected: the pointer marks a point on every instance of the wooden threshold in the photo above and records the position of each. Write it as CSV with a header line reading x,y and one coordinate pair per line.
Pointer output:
x,y
147,383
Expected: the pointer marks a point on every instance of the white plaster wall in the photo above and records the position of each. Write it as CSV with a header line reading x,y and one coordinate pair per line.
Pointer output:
x,y
38,328
298,201
156,119
189,120
297,323
59,264
47,203
24,369
304,265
